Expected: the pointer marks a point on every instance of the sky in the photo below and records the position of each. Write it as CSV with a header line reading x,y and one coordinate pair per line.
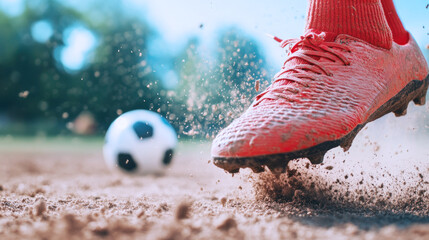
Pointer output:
x,y
177,21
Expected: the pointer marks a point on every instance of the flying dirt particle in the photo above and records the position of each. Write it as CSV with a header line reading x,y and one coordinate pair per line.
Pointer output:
x,y
163,207
376,147
84,124
1,188
223,201
201,25
329,167
257,85
240,187
141,213
103,210
227,224
40,207
271,186
182,211
23,94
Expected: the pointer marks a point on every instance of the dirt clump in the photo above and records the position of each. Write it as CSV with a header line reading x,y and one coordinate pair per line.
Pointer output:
x,y
40,207
183,211
307,202
227,224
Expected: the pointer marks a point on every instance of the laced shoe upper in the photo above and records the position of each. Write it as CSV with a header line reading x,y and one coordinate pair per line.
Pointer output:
x,y
307,53
323,91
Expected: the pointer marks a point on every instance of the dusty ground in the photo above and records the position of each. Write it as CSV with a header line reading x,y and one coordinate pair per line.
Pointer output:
x,y
63,190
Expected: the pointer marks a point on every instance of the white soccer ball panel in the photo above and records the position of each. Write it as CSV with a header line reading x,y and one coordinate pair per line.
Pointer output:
x,y
141,137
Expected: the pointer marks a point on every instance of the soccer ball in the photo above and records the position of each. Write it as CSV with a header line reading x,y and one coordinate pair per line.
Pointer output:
x,y
139,142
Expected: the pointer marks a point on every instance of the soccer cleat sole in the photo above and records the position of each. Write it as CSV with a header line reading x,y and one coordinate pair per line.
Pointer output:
x,y
277,163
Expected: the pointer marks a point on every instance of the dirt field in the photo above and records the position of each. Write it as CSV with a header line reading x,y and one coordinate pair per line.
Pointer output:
x,y
63,190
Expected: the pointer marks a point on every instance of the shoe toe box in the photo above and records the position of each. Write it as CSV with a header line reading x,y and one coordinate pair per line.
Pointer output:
x,y
277,129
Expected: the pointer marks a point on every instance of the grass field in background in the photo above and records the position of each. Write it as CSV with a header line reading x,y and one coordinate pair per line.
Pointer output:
x,y
77,143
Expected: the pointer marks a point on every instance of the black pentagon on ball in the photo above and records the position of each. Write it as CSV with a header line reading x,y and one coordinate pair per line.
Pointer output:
x,y
126,162
143,130
167,157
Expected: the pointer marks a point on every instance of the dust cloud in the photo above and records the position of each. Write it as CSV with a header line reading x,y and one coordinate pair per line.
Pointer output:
x,y
385,170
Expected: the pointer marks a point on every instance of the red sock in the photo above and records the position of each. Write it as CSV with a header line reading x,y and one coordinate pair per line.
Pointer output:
x,y
400,35
363,19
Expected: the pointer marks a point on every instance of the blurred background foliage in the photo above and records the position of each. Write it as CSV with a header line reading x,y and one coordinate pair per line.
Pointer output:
x,y
63,72
67,70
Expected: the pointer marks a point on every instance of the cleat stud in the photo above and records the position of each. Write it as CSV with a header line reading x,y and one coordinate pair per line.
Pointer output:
x,y
316,158
420,100
277,169
348,140
257,169
346,144
401,111
235,170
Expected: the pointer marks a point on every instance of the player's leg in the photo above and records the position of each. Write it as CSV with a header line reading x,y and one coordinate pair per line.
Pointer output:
x,y
343,73
400,35
363,19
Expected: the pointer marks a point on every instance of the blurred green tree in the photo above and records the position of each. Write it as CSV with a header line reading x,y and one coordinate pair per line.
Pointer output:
x,y
119,74
121,77
240,64
35,85
32,85
192,90
216,91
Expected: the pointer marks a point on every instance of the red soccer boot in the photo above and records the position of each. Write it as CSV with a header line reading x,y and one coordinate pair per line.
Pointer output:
x,y
324,95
